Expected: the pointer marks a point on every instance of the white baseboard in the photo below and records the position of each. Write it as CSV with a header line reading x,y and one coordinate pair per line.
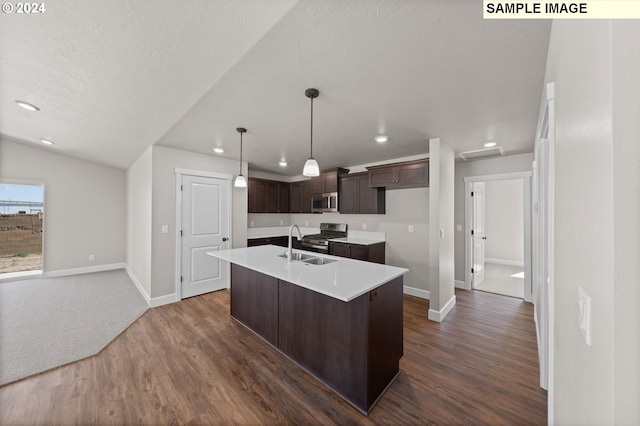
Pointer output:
x,y
153,302
438,316
163,300
141,289
504,261
86,270
417,292
461,284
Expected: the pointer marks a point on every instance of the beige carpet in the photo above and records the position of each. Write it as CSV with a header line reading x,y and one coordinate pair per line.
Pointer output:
x,y
49,322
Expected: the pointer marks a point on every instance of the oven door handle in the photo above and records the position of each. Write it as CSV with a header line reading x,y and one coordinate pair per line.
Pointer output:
x,y
317,246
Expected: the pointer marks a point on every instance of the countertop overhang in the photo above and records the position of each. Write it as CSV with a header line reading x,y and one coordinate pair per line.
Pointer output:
x,y
344,280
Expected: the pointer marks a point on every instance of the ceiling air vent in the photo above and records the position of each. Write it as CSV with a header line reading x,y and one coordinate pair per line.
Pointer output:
x,y
482,153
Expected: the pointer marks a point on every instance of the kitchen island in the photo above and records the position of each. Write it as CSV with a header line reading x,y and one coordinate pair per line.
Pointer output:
x,y
341,321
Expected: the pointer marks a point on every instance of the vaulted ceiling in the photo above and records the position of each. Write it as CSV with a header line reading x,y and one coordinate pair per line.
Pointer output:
x,y
113,78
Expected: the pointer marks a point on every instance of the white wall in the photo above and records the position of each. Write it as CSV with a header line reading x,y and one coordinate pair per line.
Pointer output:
x,y
165,161
139,216
595,65
488,166
441,229
504,221
626,222
85,205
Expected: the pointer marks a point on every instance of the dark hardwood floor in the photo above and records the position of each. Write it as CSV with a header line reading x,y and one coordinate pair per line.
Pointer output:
x,y
190,363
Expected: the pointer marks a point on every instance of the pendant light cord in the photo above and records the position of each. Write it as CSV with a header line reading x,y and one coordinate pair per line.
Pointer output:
x,y
240,152
311,128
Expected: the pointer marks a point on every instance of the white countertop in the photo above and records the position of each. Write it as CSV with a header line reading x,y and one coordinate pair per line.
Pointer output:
x,y
344,280
353,237
356,240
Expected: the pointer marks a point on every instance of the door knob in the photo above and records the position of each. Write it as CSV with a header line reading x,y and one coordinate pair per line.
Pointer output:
x,y
224,238
484,238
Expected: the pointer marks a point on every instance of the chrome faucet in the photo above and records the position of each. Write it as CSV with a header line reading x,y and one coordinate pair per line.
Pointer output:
x,y
290,249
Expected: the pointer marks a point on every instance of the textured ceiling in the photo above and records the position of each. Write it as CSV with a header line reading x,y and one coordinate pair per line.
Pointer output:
x,y
113,80
111,77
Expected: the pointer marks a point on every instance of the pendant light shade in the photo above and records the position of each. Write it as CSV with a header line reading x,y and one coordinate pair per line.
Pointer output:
x,y
311,167
240,182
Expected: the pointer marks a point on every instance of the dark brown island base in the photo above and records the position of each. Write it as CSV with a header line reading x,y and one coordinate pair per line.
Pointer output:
x,y
354,347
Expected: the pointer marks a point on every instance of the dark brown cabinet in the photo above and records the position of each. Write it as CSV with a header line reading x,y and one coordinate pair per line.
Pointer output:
x,y
300,197
356,197
353,347
276,241
267,196
254,302
327,181
369,253
410,174
257,195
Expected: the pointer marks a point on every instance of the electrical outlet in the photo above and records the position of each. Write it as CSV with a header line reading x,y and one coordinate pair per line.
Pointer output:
x,y
306,223
281,222
92,257
459,228
251,223
410,228
364,226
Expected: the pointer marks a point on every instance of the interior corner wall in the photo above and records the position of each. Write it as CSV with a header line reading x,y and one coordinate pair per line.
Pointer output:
x,y
488,166
84,205
163,256
579,61
139,215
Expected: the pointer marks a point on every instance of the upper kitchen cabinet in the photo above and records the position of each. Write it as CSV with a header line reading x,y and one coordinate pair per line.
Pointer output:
x,y
327,181
267,196
300,197
356,197
409,174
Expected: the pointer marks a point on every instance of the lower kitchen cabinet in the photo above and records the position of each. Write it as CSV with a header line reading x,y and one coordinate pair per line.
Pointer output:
x,y
276,241
369,253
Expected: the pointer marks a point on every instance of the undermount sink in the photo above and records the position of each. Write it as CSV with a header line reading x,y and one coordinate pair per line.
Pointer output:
x,y
309,259
319,261
298,256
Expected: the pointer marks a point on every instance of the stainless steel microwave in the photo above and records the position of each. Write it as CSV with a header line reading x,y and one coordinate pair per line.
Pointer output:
x,y
327,202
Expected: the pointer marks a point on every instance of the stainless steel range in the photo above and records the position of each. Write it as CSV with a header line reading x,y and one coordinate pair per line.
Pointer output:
x,y
320,242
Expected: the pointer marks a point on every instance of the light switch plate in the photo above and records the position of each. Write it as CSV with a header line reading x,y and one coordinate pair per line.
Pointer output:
x,y
584,314
410,228
165,229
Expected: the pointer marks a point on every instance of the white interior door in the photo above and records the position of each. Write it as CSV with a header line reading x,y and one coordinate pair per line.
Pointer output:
x,y
478,238
205,227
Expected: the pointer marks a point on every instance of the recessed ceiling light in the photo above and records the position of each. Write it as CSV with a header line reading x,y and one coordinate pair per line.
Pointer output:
x,y
46,142
489,144
282,163
27,106
218,150
381,138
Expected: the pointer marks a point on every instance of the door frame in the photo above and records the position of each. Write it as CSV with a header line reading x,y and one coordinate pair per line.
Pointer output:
x,y
179,172
526,198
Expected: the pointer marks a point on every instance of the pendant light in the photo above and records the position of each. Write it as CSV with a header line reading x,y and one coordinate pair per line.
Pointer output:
x,y
311,167
241,182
